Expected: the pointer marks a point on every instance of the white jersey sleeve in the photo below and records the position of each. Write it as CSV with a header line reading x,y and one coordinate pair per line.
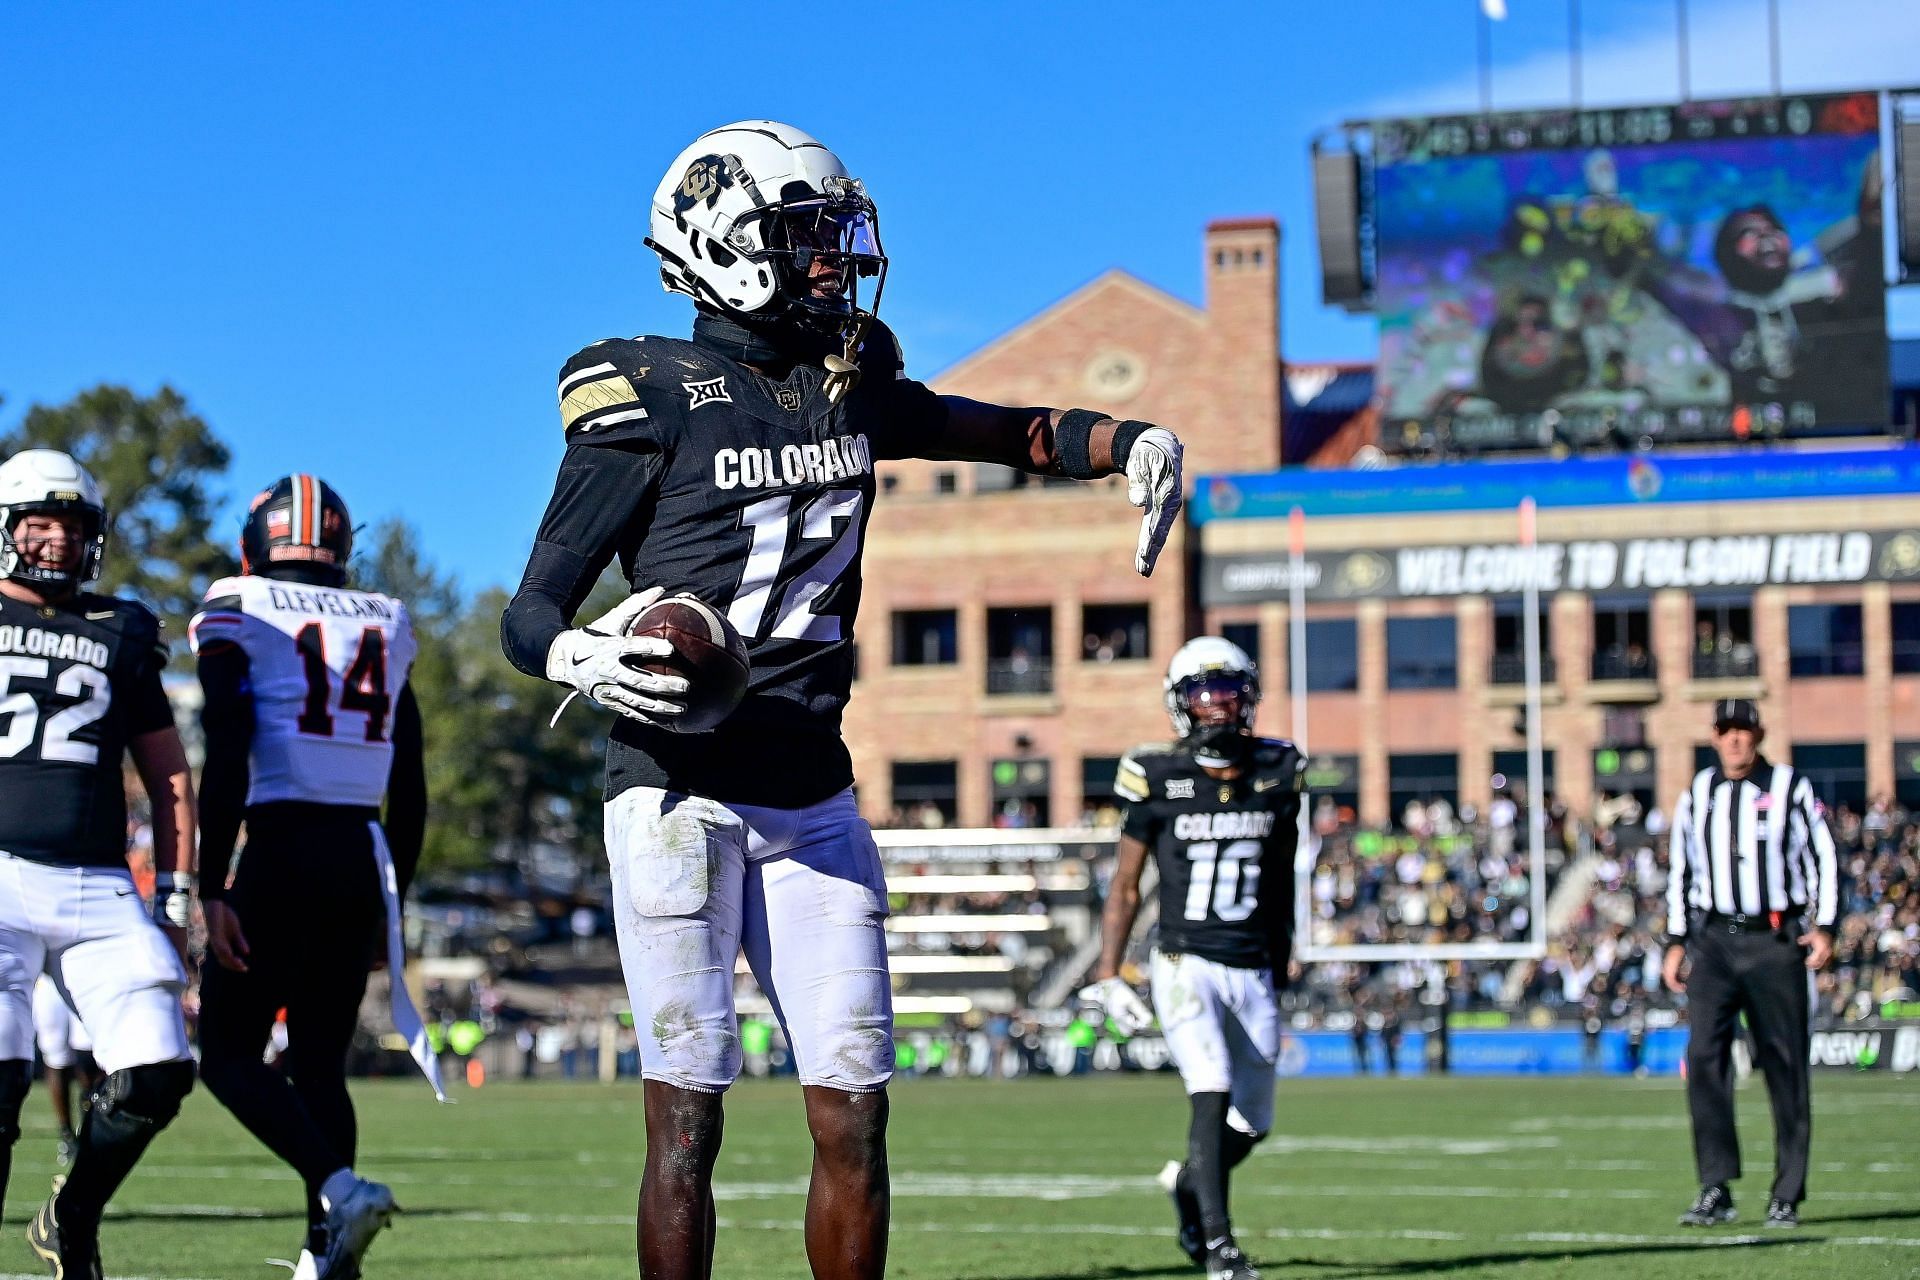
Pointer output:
x,y
325,666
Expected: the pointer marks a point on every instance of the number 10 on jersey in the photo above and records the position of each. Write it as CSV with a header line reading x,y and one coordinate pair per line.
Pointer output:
x,y
1226,879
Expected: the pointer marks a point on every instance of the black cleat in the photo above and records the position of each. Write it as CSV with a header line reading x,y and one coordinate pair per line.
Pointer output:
x,y
1782,1215
1226,1262
1713,1207
1187,1208
66,1255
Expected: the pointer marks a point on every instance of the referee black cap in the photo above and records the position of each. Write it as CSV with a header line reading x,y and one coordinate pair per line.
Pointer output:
x,y
1736,713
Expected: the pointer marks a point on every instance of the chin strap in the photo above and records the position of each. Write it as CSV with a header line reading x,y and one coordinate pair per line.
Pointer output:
x,y
1221,748
843,375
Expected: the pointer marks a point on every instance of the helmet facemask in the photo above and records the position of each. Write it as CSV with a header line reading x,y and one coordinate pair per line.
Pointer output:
x,y
92,542
821,248
1213,713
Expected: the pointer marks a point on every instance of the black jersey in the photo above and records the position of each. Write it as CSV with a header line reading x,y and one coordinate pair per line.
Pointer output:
x,y
706,476
1224,848
77,681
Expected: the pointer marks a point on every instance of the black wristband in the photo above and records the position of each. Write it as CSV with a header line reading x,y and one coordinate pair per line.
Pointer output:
x,y
1073,441
1123,437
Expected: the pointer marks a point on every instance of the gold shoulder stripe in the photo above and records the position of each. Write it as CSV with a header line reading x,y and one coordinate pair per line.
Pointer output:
x,y
592,397
1130,782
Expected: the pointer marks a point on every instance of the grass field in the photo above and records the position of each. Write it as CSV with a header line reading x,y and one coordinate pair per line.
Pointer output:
x,y
1046,1178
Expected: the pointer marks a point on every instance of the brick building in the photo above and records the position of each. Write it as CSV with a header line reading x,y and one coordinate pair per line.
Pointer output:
x,y
1667,583
1009,653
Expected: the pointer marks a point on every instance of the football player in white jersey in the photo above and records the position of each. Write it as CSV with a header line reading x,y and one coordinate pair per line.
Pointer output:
x,y
79,692
309,725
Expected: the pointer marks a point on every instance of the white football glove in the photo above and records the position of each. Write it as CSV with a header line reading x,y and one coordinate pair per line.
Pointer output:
x,y
593,659
1127,1011
1153,482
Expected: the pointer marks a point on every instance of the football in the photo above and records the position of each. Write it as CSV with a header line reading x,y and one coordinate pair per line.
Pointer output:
x,y
706,650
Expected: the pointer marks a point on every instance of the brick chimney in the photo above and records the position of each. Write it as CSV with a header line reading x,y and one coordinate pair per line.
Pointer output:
x,y
1242,271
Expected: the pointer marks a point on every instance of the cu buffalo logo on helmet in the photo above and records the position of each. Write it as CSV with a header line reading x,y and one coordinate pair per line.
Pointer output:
x,y
705,179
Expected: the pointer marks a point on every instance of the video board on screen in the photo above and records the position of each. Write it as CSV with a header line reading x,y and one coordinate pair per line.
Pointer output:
x,y
1705,272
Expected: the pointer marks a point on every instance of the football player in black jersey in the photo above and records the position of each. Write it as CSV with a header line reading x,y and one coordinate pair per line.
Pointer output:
x,y
80,689
739,466
1218,810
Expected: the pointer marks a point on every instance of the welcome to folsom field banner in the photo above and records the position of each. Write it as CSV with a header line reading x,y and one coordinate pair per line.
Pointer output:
x,y
1588,566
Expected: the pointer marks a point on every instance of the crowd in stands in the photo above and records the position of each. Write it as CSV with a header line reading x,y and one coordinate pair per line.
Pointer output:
x,y
1440,874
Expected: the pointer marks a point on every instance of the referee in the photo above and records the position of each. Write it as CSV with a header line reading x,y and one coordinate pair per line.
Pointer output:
x,y
1750,907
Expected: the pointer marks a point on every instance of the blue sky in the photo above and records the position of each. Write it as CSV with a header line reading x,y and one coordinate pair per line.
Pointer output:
x,y
361,238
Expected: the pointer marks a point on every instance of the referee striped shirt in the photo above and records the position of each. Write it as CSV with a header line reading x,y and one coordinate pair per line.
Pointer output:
x,y
1750,848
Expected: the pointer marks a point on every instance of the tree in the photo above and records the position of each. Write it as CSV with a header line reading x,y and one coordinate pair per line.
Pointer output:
x,y
500,781
154,459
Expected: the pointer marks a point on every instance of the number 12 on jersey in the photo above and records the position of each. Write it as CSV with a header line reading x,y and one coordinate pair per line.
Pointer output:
x,y
768,561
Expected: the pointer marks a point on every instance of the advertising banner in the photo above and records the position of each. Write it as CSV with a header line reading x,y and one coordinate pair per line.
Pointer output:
x,y
1586,566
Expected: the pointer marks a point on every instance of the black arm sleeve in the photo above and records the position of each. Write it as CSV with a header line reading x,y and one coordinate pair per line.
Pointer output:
x,y
406,820
227,721
149,710
600,502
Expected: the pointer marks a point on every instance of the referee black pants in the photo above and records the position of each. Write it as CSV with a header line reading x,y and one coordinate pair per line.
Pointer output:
x,y
307,893
1764,976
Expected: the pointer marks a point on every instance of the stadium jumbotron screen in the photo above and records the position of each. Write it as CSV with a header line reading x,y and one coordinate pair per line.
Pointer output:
x,y
1705,272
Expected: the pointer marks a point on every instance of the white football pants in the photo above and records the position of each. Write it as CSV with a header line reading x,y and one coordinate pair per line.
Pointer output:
x,y
87,928
1222,1026
800,891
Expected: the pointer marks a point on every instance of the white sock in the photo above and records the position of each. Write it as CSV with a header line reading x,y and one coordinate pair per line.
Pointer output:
x,y
339,1184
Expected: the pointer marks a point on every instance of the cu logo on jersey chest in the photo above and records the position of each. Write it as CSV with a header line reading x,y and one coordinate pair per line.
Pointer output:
x,y
713,391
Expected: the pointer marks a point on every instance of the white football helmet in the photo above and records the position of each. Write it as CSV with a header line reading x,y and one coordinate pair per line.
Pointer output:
x,y
744,213
45,481
1207,668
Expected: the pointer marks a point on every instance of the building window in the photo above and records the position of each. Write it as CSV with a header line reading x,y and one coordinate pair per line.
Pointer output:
x,y
1723,637
1332,784
946,482
1705,757
1622,639
1824,639
1906,774
1246,635
925,637
1837,770
1020,650
1333,655
1906,637
1022,793
926,793
1099,806
1617,772
994,477
1510,642
1510,770
1113,632
1422,779
1421,653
